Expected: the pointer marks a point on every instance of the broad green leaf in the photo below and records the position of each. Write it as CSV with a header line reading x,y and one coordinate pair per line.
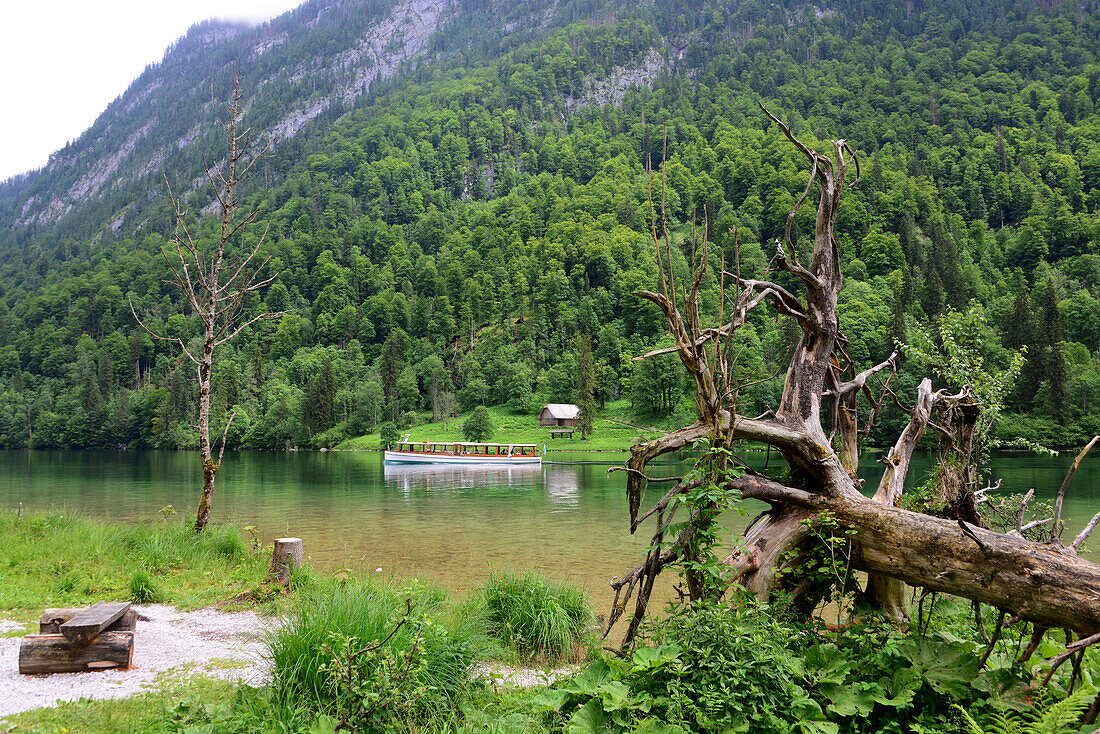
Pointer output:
x,y
550,700
653,657
589,679
653,726
589,719
848,700
614,695
942,666
818,727
807,709
826,663
898,690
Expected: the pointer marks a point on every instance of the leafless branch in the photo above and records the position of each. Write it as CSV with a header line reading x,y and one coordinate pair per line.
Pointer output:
x,y
1056,528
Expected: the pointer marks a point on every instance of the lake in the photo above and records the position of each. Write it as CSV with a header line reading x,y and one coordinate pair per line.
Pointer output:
x,y
449,525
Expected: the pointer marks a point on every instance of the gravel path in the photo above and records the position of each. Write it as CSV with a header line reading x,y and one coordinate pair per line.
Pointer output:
x,y
509,676
216,644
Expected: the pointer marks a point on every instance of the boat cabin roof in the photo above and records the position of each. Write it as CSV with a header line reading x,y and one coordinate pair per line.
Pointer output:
x,y
465,443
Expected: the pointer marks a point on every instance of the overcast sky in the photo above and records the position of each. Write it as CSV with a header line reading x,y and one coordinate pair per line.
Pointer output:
x,y
63,61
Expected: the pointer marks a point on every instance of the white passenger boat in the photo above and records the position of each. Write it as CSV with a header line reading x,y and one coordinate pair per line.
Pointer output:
x,y
455,452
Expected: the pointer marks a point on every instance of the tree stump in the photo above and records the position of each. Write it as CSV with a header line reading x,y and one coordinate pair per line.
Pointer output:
x,y
55,654
288,554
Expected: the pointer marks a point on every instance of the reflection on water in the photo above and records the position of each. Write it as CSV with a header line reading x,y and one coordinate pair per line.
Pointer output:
x,y
449,524
445,477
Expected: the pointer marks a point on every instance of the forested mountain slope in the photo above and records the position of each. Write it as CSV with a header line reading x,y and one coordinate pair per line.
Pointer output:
x,y
445,228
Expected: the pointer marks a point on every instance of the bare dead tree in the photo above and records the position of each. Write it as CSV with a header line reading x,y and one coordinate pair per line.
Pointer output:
x,y
1046,584
214,282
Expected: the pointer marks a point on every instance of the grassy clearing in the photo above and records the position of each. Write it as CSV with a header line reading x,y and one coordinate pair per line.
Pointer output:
x,y
56,559
542,621
388,657
617,429
163,709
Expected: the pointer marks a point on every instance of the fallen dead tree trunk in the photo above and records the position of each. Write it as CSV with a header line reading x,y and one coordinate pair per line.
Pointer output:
x,y
1045,584
1042,583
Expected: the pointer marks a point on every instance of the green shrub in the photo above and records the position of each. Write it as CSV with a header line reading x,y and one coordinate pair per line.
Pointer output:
x,y
372,655
541,620
712,668
387,434
143,590
479,425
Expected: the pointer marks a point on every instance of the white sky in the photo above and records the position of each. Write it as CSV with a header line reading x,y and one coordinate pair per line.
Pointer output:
x,y
63,61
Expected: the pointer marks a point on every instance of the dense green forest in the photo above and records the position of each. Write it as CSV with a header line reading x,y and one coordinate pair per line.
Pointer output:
x,y
444,243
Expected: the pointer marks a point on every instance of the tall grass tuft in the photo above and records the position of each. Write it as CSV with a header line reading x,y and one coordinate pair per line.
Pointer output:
x,y
418,674
142,588
543,621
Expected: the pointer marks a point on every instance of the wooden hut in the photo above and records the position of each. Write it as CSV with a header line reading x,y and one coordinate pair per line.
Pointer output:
x,y
559,414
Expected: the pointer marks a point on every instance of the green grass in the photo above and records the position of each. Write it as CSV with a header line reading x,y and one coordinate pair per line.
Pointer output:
x,y
55,559
410,661
609,434
156,711
542,621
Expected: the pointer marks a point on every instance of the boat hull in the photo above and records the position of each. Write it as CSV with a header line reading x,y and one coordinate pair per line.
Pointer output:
x,y
401,457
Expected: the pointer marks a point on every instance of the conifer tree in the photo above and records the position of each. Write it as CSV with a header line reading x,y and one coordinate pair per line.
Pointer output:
x,y
586,386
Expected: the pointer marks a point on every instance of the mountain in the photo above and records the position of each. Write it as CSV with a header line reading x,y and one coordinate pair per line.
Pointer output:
x,y
310,65
319,57
457,190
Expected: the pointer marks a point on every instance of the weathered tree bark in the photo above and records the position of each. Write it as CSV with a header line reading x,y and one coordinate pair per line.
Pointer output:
x,y
1035,581
1046,584
55,654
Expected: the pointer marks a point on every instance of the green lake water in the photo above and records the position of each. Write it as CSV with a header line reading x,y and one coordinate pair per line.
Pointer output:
x,y
445,524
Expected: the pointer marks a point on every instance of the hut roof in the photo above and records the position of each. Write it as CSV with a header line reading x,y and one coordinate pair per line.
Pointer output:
x,y
561,410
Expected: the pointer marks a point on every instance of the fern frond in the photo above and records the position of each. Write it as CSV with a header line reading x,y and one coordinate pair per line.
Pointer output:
x,y
972,726
999,723
1062,717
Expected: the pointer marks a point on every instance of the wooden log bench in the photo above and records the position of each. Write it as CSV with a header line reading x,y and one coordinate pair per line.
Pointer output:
x,y
98,637
51,620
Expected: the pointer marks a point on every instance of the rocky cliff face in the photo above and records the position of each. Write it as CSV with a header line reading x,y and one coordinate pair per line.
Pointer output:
x,y
292,80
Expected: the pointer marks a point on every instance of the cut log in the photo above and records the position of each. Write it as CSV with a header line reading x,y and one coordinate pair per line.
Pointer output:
x,y
55,654
288,554
51,620
88,623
